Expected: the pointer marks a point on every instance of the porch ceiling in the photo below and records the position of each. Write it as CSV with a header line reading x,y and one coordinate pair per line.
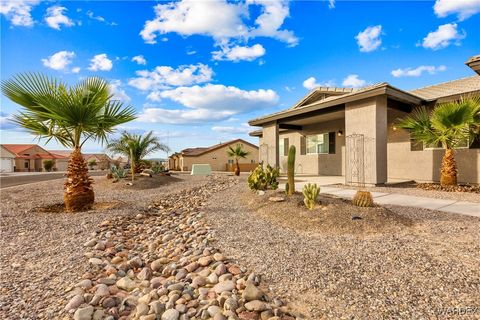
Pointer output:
x,y
316,118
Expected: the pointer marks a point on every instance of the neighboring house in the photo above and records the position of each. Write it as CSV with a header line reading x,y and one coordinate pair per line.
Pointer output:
x,y
102,160
352,133
7,160
216,156
30,158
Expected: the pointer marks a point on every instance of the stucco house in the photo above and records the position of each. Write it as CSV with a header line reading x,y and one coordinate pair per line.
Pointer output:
x,y
30,158
102,160
351,133
216,156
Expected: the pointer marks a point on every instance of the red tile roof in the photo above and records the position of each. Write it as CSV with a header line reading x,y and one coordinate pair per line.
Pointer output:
x,y
19,149
192,152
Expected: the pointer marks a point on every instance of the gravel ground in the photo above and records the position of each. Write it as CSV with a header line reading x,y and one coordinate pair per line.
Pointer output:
x,y
415,272
411,190
40,251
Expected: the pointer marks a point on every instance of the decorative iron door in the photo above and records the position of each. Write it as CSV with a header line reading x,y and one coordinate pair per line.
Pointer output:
x,y
354,160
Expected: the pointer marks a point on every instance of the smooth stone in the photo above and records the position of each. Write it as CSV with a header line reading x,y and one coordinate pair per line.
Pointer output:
x,y
218,257
251,293
213,310
102,290
255,305
126,283
145,274
75,302
205,261
90,243
156,265
171,314
98,314
135,262
157,307
276,199
95,261
220,269
224,286
142,309
83,313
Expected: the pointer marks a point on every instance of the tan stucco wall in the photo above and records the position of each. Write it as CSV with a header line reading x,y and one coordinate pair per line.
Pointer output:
x,y
269,145
424,166
4,153
369,117
317,164
218,158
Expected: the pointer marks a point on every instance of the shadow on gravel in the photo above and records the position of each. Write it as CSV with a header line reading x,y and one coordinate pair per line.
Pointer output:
x,y
97,206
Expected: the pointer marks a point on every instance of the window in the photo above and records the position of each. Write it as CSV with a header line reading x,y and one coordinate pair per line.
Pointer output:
x,y
230,161
252,161
318,144
27,163
283,145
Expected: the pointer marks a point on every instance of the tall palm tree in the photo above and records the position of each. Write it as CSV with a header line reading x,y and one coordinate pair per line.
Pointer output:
x,y
237,153
71,115
450,125
136,147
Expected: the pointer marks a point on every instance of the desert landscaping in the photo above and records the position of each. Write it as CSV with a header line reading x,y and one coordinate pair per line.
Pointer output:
x,y
189,247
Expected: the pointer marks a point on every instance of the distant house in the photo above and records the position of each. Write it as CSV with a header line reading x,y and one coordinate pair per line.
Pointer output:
x,y
7,160
216,156
102,161
31,157
352,133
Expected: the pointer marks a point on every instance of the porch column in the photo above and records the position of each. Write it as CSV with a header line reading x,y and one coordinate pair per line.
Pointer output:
x,y
369,117
270,141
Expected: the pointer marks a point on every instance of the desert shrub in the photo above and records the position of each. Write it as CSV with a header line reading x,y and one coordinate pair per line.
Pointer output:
x,y
263,179
158,168
118,173
92,163
48,165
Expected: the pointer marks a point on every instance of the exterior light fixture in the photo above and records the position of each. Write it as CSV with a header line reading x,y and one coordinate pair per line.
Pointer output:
x,y
394,128
340,133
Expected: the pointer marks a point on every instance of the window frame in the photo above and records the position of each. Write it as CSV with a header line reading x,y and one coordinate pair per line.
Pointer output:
x,y
327,142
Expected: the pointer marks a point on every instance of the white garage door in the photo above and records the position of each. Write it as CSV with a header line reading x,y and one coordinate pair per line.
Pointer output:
x,y
6,165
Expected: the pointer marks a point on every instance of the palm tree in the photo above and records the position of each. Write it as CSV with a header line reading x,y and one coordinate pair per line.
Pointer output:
x,y
450,125
71,115
237,153
136,147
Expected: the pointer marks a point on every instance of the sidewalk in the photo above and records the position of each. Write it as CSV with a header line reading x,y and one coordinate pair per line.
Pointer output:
x,y
383,198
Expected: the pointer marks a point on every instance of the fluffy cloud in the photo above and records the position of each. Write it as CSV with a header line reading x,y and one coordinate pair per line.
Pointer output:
x,y
18,11
418,71
462,8
238,53
55,17
76,69
100,62
352,81
117,91
218,19
164,76
139,59
224,21
311,83
59,60
369,39
444,36
331,4
6,122
208,103
244,128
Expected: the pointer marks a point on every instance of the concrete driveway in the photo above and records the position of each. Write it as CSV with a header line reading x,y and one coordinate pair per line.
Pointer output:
x,y
19,178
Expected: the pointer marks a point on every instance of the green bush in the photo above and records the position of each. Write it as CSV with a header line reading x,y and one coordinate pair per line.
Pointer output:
x,y
263,179
48,165
158,169
118,173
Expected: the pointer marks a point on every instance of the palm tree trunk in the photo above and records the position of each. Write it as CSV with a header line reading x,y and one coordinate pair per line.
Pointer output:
x,y
448,172
237,168
78,195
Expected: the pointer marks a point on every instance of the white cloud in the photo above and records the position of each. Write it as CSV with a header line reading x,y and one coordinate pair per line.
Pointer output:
x,y
154,96
418,71
238,53
191,52
92,16
462,8
444,36
76,69
117,91
353,81
218,19
18,12
100,62
6,122
55,17
243,128
139,60
331,4
311,83
208,103
164,76
369,39
59,60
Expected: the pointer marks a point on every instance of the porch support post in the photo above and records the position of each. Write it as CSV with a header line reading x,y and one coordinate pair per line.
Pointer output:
x,y
369,117
270,139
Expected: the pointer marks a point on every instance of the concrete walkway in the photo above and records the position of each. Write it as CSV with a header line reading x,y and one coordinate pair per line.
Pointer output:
x,y
383,198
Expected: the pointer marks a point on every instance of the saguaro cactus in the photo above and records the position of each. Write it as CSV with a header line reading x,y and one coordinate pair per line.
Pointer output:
x,y
310,194
291,170
363,199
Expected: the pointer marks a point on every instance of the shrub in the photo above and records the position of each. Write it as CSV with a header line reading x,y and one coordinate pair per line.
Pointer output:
x,y
92,163
158,169
310,194
263,179
48,165
118,173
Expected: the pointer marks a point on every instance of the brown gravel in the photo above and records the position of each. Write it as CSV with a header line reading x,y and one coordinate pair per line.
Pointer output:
x,y
412,273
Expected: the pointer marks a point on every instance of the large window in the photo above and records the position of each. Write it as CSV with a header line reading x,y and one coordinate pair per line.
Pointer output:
x,y
318,144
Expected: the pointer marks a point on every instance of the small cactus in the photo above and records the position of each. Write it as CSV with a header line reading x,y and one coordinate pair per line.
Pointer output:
x,y
291,171
310,194
363,199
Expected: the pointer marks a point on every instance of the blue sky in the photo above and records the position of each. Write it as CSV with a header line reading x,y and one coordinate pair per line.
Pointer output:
x,y
197,71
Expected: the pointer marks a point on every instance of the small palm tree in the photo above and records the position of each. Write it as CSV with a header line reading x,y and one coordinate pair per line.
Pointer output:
x,y
136,147
237,153
70,115
449,124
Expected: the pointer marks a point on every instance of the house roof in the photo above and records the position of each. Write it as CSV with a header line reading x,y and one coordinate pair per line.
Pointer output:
x,y
19,149
474,63
86,156
449,88
193,152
